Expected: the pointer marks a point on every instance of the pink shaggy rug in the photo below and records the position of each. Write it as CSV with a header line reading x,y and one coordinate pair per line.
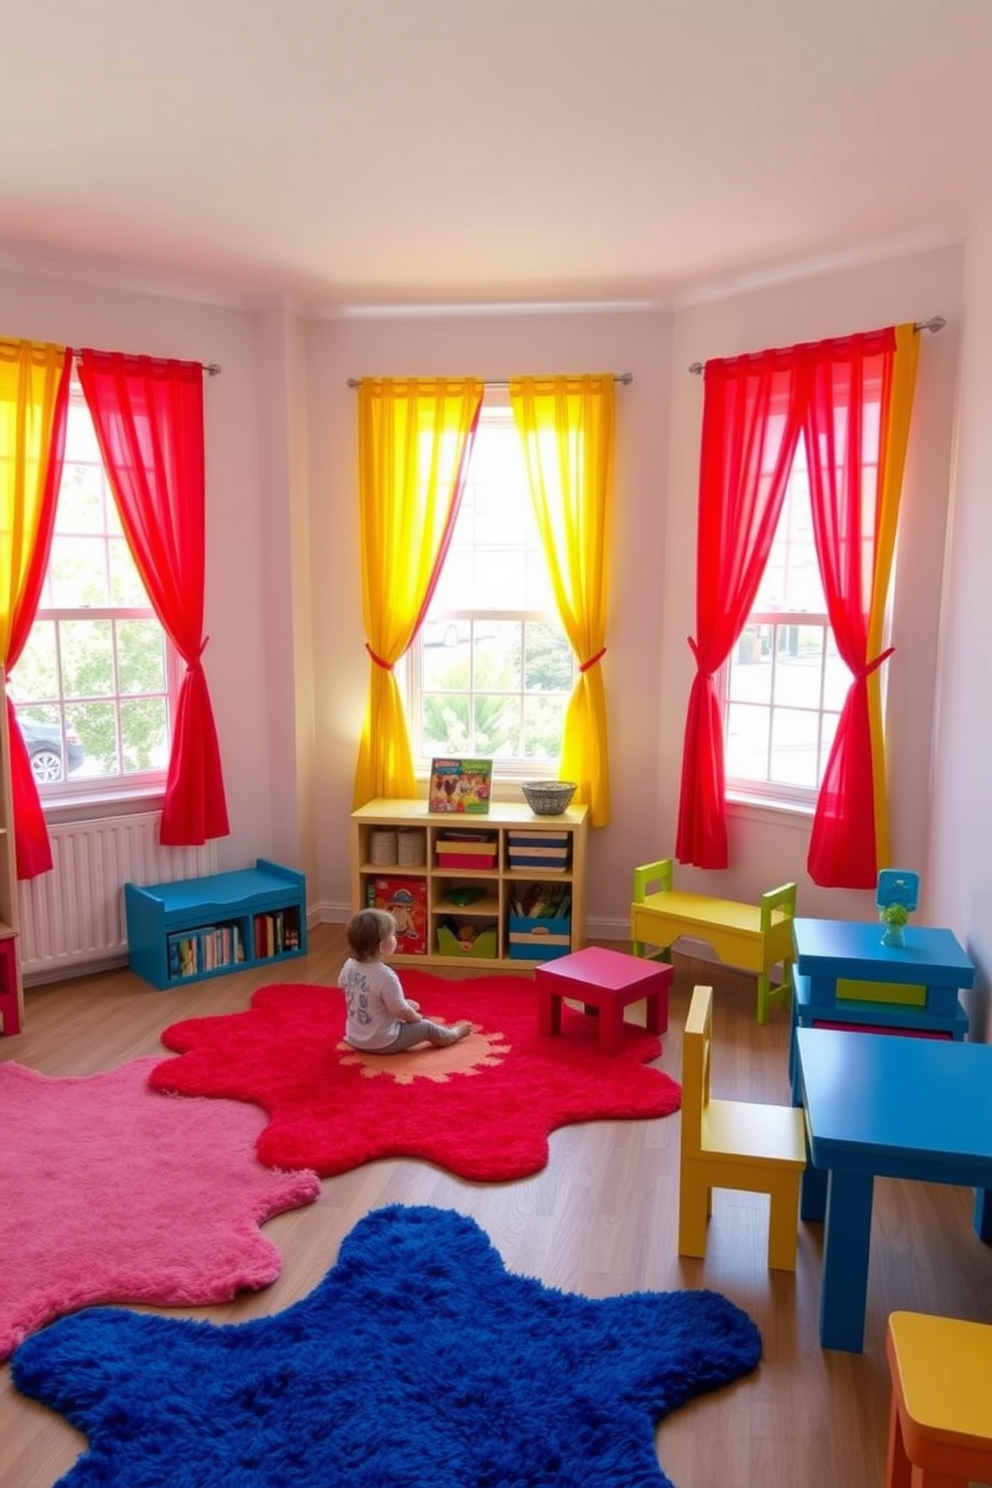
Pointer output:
x,y
481,1109
110,1192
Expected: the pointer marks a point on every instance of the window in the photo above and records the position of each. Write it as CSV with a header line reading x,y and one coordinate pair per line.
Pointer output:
x,y
785,683
491,671
94,686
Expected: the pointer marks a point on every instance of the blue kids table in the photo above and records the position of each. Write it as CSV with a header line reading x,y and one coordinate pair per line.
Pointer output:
x,y
897,1107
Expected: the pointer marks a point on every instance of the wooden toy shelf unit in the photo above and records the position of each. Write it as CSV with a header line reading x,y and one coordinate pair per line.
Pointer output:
x,y
463,881
205,927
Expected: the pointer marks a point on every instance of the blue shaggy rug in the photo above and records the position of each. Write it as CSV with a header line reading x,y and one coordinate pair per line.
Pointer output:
x,y
418,1362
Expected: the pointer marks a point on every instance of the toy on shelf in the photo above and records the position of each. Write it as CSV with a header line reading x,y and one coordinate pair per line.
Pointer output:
x,y
896,897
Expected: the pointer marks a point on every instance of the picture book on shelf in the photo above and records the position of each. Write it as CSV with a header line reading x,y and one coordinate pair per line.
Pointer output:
x,y
406,901
460,785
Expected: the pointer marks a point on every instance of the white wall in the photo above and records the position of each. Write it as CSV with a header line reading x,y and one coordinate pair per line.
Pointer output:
x,y
960,861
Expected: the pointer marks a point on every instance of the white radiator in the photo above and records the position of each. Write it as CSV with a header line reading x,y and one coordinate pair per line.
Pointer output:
x,y
72,919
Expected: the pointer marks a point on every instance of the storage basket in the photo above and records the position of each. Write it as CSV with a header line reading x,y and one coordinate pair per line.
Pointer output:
x,y
383,847
412,843
548,797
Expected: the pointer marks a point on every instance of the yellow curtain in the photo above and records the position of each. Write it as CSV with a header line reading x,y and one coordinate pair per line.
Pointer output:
x,y
897,412
414,438
30,379
566,424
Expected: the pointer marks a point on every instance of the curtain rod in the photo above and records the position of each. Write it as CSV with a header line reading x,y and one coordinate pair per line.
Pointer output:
x,y
935,323
624,377
212,369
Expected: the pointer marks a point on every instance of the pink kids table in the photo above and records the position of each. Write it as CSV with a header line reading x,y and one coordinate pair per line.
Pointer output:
x,y
607,981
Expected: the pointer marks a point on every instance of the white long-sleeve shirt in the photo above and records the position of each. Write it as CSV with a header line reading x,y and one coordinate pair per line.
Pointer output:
x,y
375,1002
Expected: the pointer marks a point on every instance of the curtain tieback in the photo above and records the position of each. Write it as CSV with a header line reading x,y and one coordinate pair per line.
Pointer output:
x,y
707,676
593,659
873,666
387,666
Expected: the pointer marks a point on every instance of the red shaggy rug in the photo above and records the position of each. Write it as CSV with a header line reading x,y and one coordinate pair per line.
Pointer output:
x,y
481,1109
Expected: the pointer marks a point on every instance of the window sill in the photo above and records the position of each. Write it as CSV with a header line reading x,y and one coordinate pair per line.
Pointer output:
x,y
75,808
768,810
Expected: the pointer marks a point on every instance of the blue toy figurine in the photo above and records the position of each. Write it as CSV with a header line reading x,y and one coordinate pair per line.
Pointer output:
x,y
896,897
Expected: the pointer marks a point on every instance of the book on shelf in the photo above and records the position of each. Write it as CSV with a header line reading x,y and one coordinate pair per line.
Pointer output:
x,y
463,786
276,933
191,952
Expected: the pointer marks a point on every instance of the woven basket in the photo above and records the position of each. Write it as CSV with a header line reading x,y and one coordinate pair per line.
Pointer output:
x,y
548,797
412,847
383,847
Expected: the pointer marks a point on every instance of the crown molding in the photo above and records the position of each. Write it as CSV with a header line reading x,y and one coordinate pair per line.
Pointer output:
x,y
490,309
107,273
811,268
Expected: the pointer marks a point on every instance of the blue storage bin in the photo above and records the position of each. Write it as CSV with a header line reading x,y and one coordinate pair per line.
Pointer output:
x,y
539,939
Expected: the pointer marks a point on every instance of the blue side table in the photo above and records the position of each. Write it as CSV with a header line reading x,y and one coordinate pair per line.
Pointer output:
x,y
833,951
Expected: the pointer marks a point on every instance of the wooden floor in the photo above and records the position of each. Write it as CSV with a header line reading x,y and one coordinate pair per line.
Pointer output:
x,y
600,1220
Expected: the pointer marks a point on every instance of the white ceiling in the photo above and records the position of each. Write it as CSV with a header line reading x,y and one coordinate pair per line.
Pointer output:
x,y
378,152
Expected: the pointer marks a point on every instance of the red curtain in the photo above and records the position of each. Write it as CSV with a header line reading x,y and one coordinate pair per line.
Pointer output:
x,y
843,449
751,422
148,416
32,846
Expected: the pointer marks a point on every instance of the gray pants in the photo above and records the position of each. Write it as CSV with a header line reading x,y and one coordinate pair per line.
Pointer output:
x,y
423,1031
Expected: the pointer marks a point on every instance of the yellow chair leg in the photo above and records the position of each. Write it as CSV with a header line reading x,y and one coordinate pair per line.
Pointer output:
x,y
783,1224
694,1211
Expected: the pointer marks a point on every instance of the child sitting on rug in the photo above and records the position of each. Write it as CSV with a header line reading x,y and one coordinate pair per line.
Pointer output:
x,y
380,1018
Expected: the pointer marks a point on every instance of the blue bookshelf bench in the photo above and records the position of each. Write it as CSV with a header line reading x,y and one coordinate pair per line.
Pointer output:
x,y
205,927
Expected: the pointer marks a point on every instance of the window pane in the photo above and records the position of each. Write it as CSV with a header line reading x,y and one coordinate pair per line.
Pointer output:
x,y
798,666
87,658
497,722
747,741
78,573
81,506
54,750
751,666
37,672
544,720
96,724
144,735
140,656
444,723
794,756
81,442
549,660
